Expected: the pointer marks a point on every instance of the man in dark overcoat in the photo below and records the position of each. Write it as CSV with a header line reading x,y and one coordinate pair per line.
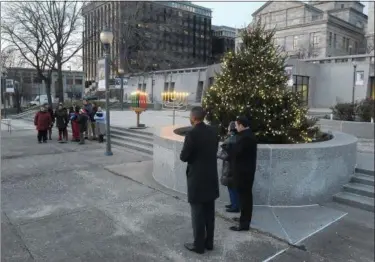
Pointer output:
x,y
199,151
244,164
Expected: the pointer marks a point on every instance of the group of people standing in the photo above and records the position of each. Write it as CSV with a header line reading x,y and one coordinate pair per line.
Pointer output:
x,y
239,154
87,122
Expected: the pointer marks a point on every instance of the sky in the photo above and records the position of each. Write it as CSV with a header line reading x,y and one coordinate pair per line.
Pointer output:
x,y
237,13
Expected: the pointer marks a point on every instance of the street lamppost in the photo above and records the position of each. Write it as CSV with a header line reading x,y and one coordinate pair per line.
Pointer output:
x,y
354,80
2,85
106,37
121,75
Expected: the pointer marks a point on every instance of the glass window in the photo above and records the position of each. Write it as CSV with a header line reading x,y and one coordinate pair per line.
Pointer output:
x,y
334,40
295,42
78,81
330,39
301,85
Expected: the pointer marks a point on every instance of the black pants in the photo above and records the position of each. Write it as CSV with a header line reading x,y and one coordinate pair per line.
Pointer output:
x,y
203,220
246,207
63,133
42,135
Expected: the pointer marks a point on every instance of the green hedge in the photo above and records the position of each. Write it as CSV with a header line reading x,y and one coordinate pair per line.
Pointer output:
x,y
344,111
362,111
365,110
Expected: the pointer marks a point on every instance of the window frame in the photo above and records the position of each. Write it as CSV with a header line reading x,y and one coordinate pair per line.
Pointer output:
x,y
299,82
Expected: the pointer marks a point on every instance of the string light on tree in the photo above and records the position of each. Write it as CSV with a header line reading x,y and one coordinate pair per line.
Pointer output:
x,y
253,82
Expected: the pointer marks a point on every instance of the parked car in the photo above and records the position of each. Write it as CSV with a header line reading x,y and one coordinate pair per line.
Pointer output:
x,y
40,100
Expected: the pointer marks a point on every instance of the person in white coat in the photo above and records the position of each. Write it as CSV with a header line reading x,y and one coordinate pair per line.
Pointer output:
x,y
99,118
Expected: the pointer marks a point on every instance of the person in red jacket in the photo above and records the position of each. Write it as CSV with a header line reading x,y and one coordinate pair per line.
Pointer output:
x,y
74,114
42,121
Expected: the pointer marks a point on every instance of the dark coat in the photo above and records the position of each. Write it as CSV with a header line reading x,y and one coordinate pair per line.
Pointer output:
x,y
199,151
82,122
244,157
50,111
62,118
94,110
89,110
42,120
224,154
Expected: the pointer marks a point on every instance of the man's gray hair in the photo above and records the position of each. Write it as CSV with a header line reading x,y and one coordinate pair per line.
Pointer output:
x,y
198,112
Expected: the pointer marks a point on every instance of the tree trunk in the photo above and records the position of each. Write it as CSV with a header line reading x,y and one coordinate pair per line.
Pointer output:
x,y
60,83
17,97
47,82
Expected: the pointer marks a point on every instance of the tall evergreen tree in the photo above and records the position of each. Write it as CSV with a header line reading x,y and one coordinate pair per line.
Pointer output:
x,y
253,83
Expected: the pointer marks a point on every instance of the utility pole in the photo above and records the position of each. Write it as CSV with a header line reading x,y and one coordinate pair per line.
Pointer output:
x,y
354,80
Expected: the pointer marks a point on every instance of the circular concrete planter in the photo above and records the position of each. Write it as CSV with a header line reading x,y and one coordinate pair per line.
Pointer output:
x,y
358,129
287,175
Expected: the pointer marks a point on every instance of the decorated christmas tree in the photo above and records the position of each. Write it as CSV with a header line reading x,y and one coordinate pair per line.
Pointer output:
x,y
253,83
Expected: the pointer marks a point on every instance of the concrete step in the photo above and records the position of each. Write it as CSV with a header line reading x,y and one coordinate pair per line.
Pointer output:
x,y
126,133
141,131
354,200
135,147
365,171
133,140
360,189
363,179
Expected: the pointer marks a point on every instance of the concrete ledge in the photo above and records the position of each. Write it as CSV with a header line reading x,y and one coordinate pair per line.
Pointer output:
x,y
358,129
287,175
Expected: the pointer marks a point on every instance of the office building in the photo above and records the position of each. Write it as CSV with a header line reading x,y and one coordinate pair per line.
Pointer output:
x,y
223,40
147,35
316,28
325,81
30,86
370,32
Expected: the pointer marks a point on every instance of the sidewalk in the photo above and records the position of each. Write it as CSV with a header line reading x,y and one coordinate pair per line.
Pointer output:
x,y
18,124
60,204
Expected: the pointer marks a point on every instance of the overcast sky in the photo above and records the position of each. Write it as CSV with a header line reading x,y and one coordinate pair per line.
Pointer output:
x,y
237,13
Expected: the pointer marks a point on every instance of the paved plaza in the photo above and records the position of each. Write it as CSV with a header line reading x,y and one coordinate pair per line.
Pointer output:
x,y
66,202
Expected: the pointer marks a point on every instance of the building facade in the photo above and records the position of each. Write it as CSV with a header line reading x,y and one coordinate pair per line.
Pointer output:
x,y
370,32
317,28
322,82
30,86
223,41
147,35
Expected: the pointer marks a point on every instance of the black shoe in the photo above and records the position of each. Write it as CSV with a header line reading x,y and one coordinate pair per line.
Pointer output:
x,y
232,210
209,247
86,137
228,206
192,248
44,141
236,219
50,138
239,228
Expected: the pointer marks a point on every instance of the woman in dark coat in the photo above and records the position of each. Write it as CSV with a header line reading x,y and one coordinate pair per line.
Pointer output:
x,y
62,120
50,111
227,170
82,122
